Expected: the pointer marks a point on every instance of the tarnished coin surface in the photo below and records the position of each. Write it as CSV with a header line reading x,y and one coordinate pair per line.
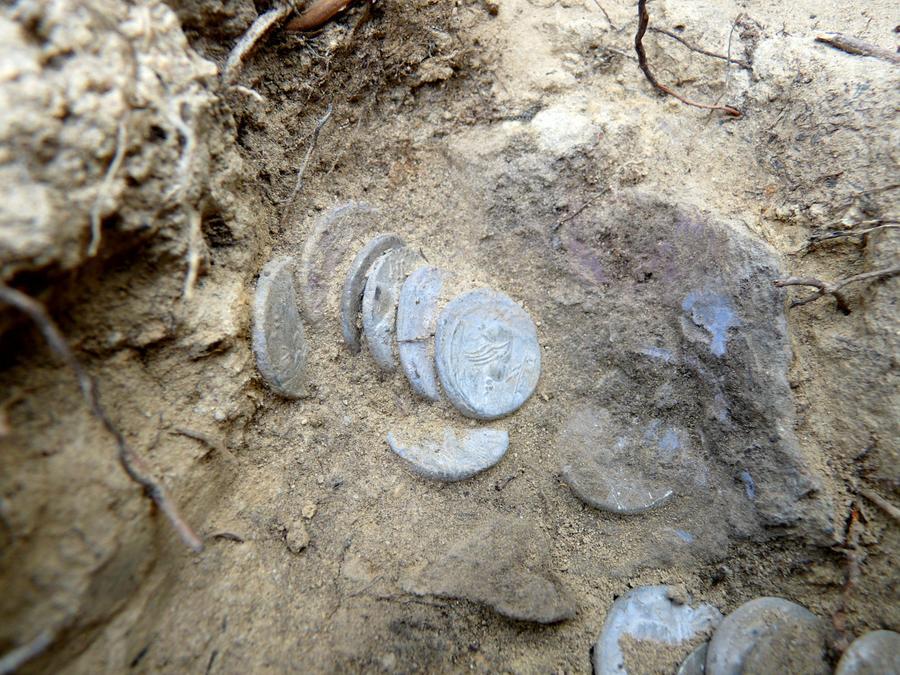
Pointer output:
x,y
872,654
379,303
354,284
487,354
648,615
458,455
326,246
416,319
695,663
279,341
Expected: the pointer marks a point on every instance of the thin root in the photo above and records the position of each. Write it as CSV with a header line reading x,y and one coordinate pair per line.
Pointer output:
x,y
834,288
298,186
882,503
18,657
700,50
857,47
829,235
103,191
260,28
643,23
131,462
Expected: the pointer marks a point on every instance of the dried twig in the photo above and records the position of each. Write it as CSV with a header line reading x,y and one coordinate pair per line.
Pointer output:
x,y
131,462
102,192
643,23
260,28
18,657
606,15
700,50
318,14
829,235
857,47
881,502
834,289
854,558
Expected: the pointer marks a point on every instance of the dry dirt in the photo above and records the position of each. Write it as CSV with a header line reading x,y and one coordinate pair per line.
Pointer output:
x,y
516,142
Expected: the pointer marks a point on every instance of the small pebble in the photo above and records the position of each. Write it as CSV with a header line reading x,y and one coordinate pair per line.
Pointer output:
x,y
458,455
297,538
648,614
309,509
278,337
875,653
354,284
487,354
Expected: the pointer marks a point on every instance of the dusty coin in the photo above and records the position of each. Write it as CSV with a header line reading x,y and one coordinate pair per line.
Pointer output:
x,y
416,319
326,247
872,654
487,354
379,303
354,284
458,455
279,342
760,621
695,663
648,614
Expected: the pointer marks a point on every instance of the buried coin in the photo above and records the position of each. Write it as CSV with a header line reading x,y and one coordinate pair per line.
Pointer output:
x,y
457,456
872,654
279,343
416,318
487,354
379,303
351,296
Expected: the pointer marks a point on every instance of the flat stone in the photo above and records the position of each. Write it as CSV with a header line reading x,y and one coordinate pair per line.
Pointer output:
x,y
749,635
278,337
379,303
354,284
458,455
504,563
619,468
487,354
695,663
874,653
648,614
416,320
326,247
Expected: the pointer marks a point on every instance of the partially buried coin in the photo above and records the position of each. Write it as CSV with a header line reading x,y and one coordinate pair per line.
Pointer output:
x,y
874,653
456,456
279,342
487,354
416,319
379,303
354,284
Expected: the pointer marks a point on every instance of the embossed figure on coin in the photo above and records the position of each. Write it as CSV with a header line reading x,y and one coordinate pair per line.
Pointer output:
x,y
487,353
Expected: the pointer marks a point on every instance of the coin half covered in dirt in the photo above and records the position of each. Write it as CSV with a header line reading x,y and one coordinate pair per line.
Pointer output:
x,y
695,663
458,455
379,303
648,617
279,342
326,246
872,654
354,284
416,319
487,354
767,635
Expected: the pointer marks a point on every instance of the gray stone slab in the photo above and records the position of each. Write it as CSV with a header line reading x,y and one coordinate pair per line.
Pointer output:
x,y
416,320
379,303
278,337
325,249
695,663
874,653
751,634
354,284
648,614
460,454
487,354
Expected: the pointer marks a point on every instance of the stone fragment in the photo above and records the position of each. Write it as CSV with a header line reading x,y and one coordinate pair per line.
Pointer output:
x,y
324,250
354,284
458,455
766,632
695,663
416,319
503,563
379,303
279,341
647,614
487,354
874,653
296,537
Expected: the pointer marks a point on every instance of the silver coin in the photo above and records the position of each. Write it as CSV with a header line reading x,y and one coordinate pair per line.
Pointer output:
x,y
456,456
416,319
379,303
279,341
695,663
648,614
326,247
872,654
354,284
487,354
